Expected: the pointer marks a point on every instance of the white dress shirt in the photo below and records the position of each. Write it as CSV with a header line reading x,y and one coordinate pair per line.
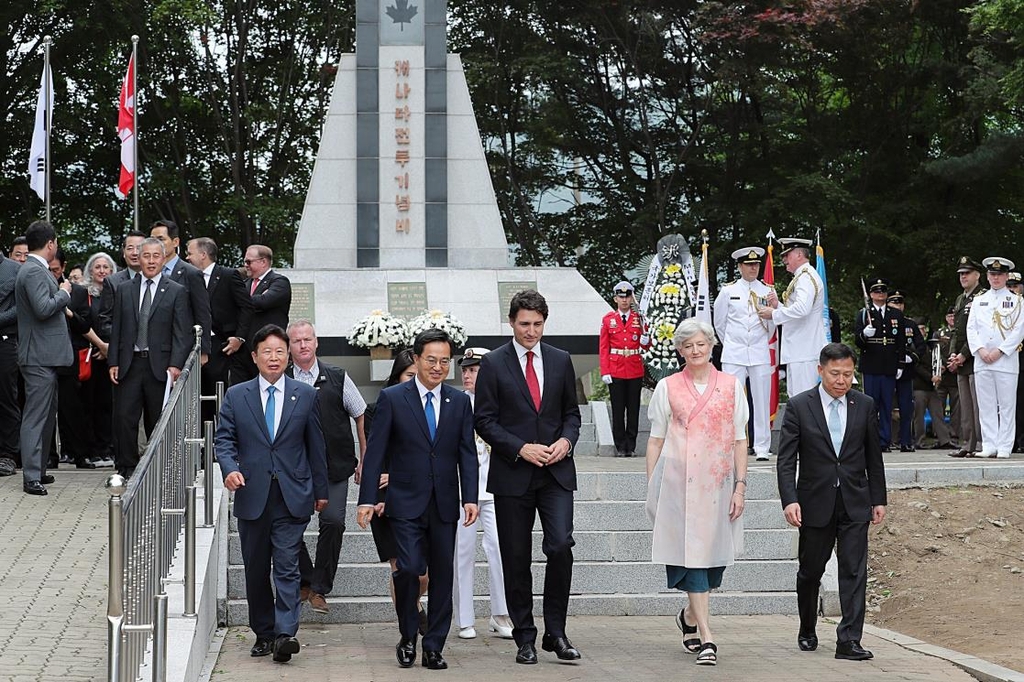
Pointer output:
x,y
153,288
436,391
207,274
538,362
279,398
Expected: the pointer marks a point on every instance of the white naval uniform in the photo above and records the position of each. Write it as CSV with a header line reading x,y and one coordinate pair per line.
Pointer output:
x,y
996,382
802,318
465,549
744,337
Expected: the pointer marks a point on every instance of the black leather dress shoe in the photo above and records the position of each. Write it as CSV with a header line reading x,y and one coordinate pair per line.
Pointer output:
x,y
405,652
263,647
527,654
46,479
908,448
284,647
433,660
807,642
34,488
852,651
83,463
562,647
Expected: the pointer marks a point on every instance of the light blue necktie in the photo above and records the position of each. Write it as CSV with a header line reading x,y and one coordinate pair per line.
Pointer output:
x,y
835,427
428,410
269,415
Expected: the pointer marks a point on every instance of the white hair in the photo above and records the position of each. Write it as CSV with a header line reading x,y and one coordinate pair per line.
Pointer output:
x,y
689,328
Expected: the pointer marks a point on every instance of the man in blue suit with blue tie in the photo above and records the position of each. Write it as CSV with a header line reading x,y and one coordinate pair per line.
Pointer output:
x,y
271,451
427,429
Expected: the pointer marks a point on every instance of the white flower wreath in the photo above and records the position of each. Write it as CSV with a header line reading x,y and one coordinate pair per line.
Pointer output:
x,y
380,328
439,319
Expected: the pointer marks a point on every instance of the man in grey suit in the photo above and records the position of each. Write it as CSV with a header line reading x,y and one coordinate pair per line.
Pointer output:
x,y
150,338
271,450
44,345
831,432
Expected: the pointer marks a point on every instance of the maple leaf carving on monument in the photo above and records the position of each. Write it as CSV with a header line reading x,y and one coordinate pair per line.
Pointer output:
x,y
401,13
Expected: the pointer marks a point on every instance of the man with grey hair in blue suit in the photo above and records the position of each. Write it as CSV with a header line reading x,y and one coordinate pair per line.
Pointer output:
x,y
271,450
44,345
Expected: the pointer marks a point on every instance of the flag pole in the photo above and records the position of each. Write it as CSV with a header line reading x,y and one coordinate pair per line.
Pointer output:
x,y
47,115
135,132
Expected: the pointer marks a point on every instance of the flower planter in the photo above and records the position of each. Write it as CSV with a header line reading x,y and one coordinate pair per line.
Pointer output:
x,y
380,353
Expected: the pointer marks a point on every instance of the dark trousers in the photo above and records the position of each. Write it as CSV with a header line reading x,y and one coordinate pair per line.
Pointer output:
x,y
905,403
242,366
216,369
881,388
73,419
10,407
515,516
320,577
98,397
850,539
139,395
625,398
424,544
276,535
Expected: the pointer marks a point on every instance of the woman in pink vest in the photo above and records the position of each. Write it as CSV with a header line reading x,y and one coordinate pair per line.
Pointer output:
x,y
696,471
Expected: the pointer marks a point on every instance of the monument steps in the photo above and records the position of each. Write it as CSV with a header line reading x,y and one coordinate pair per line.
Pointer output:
x,y
612,573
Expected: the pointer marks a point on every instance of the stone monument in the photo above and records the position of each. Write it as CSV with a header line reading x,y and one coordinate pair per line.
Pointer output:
x,y
401,213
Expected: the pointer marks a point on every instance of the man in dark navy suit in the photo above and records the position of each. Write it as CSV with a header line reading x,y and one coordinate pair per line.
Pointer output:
x,y
271,451
830,434
526,411
427,429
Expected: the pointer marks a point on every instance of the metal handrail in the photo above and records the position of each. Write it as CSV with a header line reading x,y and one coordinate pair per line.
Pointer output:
x,y
146,517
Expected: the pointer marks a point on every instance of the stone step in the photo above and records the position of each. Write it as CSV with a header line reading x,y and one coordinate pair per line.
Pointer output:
x,y
634,545
381,610
597,577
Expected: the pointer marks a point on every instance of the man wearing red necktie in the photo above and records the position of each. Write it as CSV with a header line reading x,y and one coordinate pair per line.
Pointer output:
x,y
271,295
526,411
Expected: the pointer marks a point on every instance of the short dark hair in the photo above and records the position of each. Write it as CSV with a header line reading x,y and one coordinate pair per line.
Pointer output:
x,y
432,335
38,234
60,257
132,233
207,246
172,227
835,351
403,361
19,241
78,266
268,331
528,299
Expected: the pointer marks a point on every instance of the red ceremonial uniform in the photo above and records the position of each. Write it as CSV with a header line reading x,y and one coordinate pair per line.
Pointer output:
x,y
620,347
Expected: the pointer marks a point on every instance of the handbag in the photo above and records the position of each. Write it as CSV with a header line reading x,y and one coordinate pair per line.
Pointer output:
x,y
84,363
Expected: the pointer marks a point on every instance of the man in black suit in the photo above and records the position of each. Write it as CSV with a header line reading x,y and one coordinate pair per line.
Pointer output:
x,y
878,332
271,296
228,299
150,339
187,276
10,406
526,411
831,432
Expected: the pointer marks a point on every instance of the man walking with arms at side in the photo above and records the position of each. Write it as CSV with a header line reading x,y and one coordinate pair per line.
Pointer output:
x,y
271,451
526,411
830,437
801,316
427,428
43,346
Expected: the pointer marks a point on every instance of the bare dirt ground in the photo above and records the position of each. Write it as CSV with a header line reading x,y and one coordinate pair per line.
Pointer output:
x,y
947,567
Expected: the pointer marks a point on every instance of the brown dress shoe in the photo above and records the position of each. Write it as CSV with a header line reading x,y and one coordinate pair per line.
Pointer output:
x,y
303,594
318,603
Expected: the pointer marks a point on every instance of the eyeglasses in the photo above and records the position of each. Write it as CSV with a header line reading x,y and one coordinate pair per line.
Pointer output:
x,y
249,261
432,362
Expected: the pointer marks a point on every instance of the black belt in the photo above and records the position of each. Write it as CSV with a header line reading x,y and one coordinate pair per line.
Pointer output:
x,y
141,353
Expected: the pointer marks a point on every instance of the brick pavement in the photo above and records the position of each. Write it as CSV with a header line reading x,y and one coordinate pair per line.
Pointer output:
x,y
53,579
630,649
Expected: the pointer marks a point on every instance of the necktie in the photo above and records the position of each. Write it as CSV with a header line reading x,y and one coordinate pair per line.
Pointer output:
x,y
531,380
271,408
428,411
255,283
625,319
835,427
142,339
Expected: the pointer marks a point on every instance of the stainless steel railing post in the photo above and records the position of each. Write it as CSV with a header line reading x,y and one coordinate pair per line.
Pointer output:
x,y
220,395
160,637
115,576
190,551
208,474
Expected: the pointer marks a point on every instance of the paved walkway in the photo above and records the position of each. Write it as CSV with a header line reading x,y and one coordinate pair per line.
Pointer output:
x,y
631,649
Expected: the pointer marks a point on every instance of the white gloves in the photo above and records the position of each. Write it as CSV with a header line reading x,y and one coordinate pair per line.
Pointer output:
x,y
907,360
606,378
869,331
645,339
899,373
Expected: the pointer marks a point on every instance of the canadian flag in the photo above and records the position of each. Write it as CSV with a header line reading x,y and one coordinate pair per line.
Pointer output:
x,y
126,130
